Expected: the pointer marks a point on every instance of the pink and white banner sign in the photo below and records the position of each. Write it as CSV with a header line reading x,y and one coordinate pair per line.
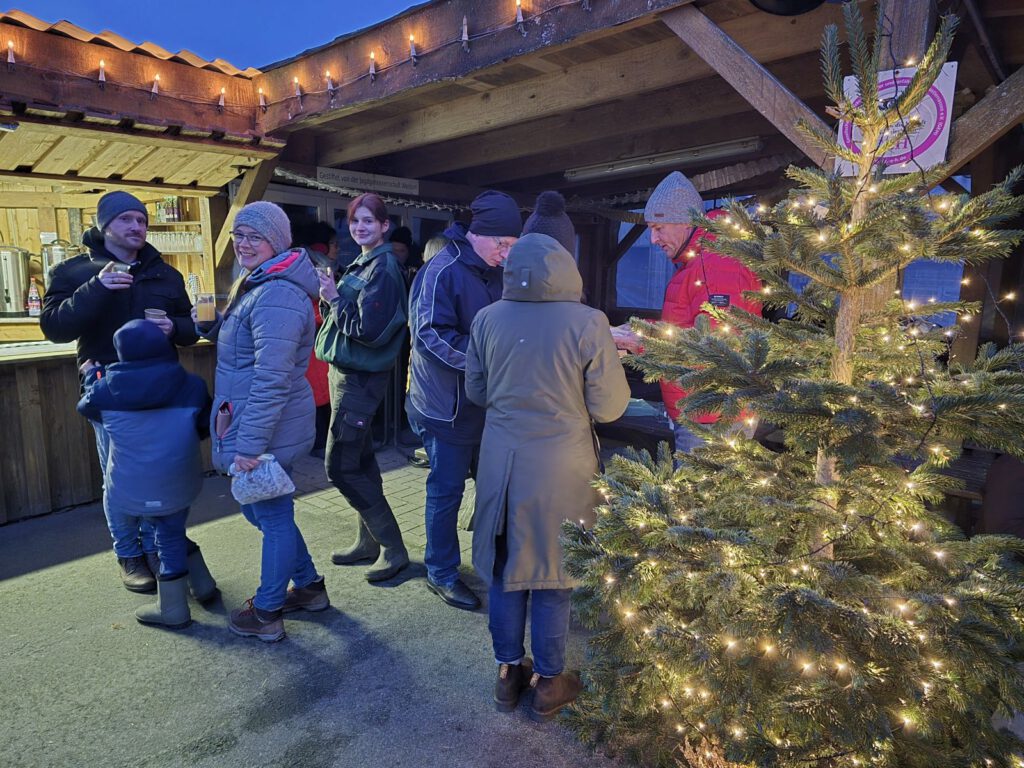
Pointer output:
x,y
921,148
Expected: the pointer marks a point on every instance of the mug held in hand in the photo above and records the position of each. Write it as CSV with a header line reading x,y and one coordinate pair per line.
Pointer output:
x,y
266,481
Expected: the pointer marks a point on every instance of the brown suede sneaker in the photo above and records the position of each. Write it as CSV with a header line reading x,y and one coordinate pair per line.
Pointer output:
x,y
250,621
312,597
513,679
550,694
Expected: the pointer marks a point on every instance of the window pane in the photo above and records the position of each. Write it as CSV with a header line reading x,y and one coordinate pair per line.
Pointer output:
x,y
642,274
938,280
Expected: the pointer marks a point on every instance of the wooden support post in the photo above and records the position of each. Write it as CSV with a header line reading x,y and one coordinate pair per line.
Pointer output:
x,y
911,26
748,76
254,184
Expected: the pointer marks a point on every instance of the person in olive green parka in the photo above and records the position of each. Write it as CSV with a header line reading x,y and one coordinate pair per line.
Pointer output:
x,y
545,366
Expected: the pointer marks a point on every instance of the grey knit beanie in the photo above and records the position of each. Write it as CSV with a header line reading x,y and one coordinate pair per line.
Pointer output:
x,y
549,218
671,201
270,221
113,204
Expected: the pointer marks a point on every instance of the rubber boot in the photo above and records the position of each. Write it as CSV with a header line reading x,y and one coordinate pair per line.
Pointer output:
x,y
381,523
204,588
365,548
171,607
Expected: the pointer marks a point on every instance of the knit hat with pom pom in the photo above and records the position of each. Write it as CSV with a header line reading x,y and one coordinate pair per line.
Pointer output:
x,y
549,218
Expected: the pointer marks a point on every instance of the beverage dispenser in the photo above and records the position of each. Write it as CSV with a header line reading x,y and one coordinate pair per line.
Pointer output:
x,y
53,254
13,280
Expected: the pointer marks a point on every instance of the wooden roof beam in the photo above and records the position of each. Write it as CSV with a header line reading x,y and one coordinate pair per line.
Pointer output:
x,y
669,108
254,184
986,121
110,184
437,28
625,75
59,73
748,76
911,26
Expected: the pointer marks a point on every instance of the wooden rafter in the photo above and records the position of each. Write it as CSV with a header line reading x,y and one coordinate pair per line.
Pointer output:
x,y
616,121
748,76
986,121
625,75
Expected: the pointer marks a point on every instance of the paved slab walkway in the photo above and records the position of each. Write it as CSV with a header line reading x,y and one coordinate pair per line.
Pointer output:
x,y
388,677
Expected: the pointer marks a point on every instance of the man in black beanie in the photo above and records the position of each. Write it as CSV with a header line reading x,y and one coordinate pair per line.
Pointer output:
x,y
445,296
90,297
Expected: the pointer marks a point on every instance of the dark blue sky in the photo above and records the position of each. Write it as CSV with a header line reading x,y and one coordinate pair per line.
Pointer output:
x,y
248,33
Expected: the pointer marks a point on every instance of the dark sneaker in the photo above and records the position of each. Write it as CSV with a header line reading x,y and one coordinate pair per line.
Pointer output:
x,y
550,694
513,679
458,595
250,621
135,574
312,597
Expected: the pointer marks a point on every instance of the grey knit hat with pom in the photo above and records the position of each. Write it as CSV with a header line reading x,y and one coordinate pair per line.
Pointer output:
x,y
549,218
671,201
268,220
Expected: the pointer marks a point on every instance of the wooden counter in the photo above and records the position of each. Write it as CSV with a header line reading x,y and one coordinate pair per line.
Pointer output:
x,y
48,454
20,329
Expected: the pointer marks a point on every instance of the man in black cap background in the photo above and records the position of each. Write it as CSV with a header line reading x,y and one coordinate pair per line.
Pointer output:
x,y
89,298
445,296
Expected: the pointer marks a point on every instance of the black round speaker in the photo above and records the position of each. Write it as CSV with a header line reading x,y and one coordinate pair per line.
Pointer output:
x,y
786,7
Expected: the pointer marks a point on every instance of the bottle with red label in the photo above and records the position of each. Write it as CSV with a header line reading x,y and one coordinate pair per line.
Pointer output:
x,y
34,304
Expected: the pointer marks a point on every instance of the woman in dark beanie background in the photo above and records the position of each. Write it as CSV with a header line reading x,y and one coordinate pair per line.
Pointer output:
x,y
263,404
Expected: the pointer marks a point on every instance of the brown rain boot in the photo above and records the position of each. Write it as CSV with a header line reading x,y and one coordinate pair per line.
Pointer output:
x,y
312,597
550,694
513,679
250,621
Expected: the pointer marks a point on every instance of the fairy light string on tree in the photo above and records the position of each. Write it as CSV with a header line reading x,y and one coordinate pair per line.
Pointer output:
x,y
808,607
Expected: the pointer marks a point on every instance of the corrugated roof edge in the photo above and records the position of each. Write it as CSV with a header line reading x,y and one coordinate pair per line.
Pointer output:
x,y
112,39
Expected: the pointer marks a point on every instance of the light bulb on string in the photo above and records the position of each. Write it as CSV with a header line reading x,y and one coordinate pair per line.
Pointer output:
x,y
465,34
413,56
373,67
263,100
101,79
10,55
220,101
520,23
155,90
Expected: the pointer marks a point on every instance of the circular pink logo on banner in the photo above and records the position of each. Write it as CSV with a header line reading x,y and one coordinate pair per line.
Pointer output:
x,y
933,113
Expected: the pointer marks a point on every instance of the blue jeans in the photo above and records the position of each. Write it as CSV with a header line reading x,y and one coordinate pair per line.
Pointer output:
x,y
171,544
685,439
285,557
446,483
549,622
132,535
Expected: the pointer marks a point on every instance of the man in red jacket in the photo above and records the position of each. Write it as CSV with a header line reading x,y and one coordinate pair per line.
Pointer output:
x,y
703,277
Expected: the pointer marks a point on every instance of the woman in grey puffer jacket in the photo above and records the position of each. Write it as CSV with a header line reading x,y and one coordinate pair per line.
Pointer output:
x,y
263,404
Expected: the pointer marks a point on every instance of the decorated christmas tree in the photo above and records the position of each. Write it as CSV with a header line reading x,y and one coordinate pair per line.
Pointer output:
x,y
810,607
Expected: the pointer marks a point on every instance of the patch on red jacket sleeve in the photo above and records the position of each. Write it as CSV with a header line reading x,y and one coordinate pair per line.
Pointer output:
x,y
719,300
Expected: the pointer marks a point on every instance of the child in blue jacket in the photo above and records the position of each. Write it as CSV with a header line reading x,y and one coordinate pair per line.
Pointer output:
x,y
155,413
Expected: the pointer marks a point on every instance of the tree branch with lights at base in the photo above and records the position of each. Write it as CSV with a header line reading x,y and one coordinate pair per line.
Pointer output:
x,y
807,607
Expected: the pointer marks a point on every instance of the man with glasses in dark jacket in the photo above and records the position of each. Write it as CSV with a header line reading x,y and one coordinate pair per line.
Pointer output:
x,y
89,298
445,296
